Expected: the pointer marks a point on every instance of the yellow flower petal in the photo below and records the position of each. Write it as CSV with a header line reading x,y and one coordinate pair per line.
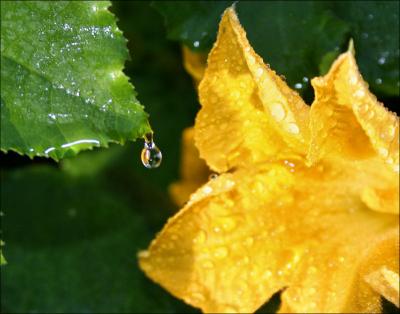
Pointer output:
x,y
347,120
246,235
385,282
320,227
194,63
248,112
380,268
193,173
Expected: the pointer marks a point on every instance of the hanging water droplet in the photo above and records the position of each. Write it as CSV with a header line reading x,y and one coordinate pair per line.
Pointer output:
x,y
151,156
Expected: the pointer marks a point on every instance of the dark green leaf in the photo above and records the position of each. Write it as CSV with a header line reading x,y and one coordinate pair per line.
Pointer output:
x,y
300,38
375,30
62,85
72,242
193,23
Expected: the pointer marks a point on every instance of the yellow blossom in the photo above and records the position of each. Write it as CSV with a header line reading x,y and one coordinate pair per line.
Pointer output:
x,y
306,201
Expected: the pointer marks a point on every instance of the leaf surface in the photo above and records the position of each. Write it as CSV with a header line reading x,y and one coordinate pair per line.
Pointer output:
x,y
62,85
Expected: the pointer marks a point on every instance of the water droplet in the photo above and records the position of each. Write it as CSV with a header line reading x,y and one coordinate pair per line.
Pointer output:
x,y
207,189
382,60
305,79
208,264
390,132
378,81
259,72
298,85
251,60
359,93
312,270
212,176
227,223
353,80
267,274
217,229
201,237
196,44
197,296
78,142
293,128
277,111
383,152
221,252
151,156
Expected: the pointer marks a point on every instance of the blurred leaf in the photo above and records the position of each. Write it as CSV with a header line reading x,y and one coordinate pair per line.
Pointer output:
x,y
300,38
375,30
326,61
73,241
192,22
2,259
62,85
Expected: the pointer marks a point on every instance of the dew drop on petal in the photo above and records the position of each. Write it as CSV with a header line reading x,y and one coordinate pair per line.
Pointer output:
x,y
259,72
212,176
221,252
383,152
359,93
277,111
208,264
201,237
198,296
293,128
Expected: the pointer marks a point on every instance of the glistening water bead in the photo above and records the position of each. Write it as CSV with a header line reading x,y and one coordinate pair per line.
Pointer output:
x,y
151,156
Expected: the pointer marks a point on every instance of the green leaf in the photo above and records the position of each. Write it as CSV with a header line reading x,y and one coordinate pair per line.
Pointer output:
x,y
62,85
193,23
72,240
375,30
2,259
299,38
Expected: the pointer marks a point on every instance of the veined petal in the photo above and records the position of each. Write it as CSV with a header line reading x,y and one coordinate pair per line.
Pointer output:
x,y
248,112
193,173
246,235
347,120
